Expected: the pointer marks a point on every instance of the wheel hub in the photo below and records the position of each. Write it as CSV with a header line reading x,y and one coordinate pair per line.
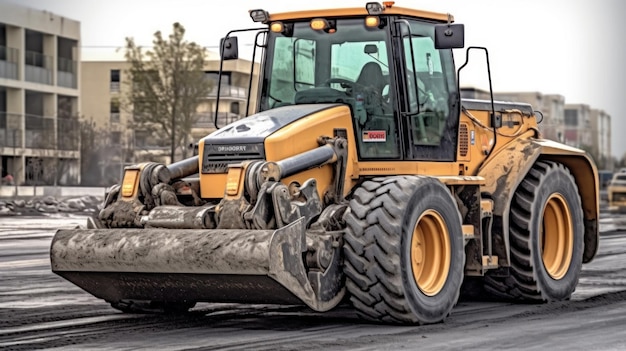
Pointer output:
x,y
430,253
557,237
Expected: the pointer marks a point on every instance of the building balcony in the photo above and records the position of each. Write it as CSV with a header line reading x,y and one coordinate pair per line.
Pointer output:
x,y
38,68
229,91
9,62
10,130
114,87
39,133
68,132
206,119
66,73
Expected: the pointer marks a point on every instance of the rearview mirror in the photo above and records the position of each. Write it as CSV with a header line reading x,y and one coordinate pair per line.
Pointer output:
x,y
449,36
229,50
370,49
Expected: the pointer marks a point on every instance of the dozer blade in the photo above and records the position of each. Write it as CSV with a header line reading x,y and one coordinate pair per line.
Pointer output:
x,y
217,265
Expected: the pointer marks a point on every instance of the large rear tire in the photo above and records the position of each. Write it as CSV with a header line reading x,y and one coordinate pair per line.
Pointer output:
x,y
546,237
404,250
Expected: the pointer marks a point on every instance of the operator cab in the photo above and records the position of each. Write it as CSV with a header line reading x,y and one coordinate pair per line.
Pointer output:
x,y
383,63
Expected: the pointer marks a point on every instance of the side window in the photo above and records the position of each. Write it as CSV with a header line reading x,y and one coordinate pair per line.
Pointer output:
x,y
428,92
304,65
281,89
293,70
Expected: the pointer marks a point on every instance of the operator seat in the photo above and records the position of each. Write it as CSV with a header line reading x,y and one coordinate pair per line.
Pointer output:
x,y
371,77
370,84
378,118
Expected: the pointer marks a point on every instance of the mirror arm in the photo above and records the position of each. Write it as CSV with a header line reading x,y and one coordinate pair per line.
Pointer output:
x,y
219,76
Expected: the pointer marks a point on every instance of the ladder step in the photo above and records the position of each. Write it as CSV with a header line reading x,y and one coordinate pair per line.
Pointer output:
x,y
490,262
468,231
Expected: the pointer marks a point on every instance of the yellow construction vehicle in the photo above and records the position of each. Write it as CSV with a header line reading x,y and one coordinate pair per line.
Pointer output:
x,y
616,192
363,175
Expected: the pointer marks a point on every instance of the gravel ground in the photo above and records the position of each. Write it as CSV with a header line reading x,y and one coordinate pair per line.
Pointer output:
x,y
49,204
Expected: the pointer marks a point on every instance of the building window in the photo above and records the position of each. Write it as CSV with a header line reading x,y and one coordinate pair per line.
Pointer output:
x,y
116,138
571,118
115,111
212,77
141,138
234,108
115,80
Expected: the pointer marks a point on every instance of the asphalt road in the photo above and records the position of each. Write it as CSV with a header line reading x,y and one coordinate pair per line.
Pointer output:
x,y
39,310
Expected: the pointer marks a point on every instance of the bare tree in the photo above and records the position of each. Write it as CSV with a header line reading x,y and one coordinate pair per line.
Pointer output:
x,y
167,84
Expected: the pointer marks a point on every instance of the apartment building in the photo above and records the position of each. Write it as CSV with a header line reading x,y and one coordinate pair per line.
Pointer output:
x,y
553,109
39,96
601,138
577,125
105,82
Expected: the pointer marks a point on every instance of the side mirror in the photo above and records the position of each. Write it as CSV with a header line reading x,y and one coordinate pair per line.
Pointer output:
x,y
449,36
229,49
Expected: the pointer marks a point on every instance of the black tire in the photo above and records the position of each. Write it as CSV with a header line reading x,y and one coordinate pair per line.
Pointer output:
x,y
546,238
388,250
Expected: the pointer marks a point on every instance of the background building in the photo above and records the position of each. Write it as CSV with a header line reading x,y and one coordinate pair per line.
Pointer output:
x,y
552,127
39,96
105,82
601,138
576,125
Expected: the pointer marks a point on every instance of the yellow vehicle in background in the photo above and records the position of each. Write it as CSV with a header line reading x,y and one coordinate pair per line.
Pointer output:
x,y
364,177
617,192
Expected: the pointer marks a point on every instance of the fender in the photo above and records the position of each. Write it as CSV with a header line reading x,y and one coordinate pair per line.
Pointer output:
x,y
505,170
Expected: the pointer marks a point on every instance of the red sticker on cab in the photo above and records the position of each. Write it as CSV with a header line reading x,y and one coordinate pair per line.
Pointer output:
x,y
374,136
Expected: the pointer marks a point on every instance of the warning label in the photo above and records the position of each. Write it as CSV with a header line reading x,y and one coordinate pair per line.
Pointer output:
x,y
374,136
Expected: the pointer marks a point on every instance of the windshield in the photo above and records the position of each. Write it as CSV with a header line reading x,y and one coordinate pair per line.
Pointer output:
x,y
347,63
307,59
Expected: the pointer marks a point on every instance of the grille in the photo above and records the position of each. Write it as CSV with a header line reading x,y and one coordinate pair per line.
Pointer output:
x,y
463,140
216,158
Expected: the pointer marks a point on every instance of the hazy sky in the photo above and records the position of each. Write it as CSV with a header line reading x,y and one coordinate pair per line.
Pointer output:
x,y
575,48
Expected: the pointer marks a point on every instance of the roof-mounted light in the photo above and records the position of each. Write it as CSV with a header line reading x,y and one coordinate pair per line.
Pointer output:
x,y
372,21
319,24
277,27
259,15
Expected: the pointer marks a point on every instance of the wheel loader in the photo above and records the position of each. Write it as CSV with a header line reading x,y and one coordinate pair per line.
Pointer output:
x,y
363,178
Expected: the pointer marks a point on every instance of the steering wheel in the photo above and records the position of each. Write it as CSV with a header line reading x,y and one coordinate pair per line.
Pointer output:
x,y
345,83
354,86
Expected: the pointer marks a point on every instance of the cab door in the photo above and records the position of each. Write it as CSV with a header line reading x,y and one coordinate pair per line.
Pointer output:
x,y
429,98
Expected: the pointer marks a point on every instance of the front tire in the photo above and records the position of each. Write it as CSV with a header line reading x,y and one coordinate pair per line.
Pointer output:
x,y
404,250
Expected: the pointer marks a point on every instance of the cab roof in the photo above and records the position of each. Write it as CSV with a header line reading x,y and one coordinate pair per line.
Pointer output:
x,y
358,12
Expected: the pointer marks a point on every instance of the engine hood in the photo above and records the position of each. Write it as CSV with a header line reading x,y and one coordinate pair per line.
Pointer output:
x,y
244,139
255,128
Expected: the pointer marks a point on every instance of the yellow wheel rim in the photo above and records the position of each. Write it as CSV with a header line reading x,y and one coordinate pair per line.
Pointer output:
x,y
430,253
557,237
